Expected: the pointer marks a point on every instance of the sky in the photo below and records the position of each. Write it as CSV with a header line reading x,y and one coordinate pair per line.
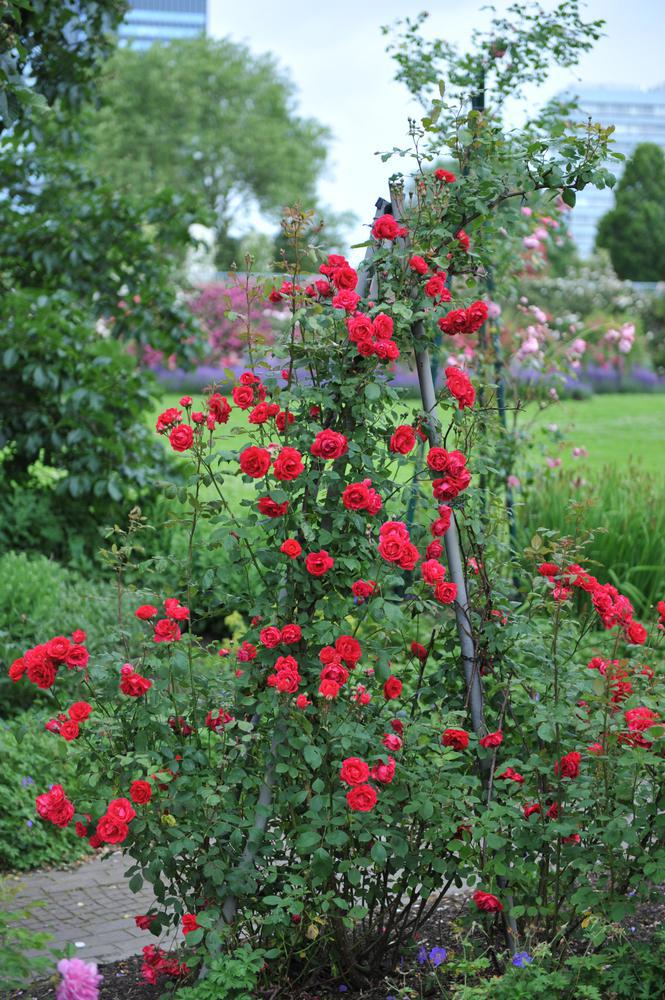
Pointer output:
x,y
335,54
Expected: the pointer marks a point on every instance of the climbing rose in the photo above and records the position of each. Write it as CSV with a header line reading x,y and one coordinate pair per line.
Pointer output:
x,y
111,830
486,902
270,636
569,766
271,508
445,592
288,464
291,548
383,773
403,439
446,177
166,630
418,264
354,771
387,228
492,739
461,387
80,980
329,445
361,798
146,611
458,739
318,563
140,792
291,634
189,923
362,589
255,462
80,711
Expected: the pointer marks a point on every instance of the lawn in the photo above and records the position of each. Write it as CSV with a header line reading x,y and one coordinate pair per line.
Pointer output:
x,y
614,429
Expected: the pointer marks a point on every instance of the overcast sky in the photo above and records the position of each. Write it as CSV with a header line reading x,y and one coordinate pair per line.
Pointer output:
x,y
335,53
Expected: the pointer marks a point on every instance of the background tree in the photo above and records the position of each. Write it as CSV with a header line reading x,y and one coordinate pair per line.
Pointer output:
x,y
208,117
634,230
51,51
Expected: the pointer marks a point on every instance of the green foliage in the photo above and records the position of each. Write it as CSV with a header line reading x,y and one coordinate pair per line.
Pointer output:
x,y
634,230
74,402
207,117
17,965
30,757
65,231
51,51
230,977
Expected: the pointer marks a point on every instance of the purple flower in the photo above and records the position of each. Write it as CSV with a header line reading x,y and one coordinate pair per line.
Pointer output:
x,y
342,988
28,822
437,956
522,958
422,954
27,781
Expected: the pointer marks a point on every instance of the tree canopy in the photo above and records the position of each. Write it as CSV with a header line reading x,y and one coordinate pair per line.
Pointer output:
x,y
207,117
51,50
634,230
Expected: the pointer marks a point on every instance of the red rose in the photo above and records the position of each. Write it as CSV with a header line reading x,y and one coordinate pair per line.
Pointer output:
x,y
255,462
121,809
291,634
361,798
140,792
360,327
169,417
383,326
146,612
476,315
17,669
346,300
270,636
288,464
349,649
418,264
486,902
112,831
362,589
387,228
636,633
189,923
445,176
354,771
318,563
329,445
166,630
291,548
432,571
446,593
392,688
511,775
492,739
80,711
270,508
42,672
78,636
328,688
435,286
218,407
384,773
393,740
461,387
58,647
569,766
419,651
403,439
531,810
463,240
181,437
356,496
69,729
143,922
458,739
175,610
345,278
77,656
132,684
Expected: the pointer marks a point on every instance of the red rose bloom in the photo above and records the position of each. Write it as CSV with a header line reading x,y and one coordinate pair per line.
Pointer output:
x,y
140,792
486,902
58,648
346,300
418,264
218,408
446,593
166,630
392,688
492,739
569,766
476,315
349,649
121,809
270,636
318,563
387,228
69,730
143,922
255,462
17,669
288,464
403,439
270,508
111,830
362,589
291,634
291,548
463,240
511,775
146,612
77,656
361,798
458,739
181,437
354,771
329,445
534,808
80,711
445,176
78,636
189,923
169,417
42,672
461,387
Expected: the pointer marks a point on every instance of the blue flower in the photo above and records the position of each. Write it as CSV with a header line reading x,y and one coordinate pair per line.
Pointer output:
x,y
522,958
342,988
28,822
437,956
422,955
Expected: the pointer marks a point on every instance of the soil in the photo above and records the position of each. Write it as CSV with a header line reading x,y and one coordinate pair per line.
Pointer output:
x,y
122,980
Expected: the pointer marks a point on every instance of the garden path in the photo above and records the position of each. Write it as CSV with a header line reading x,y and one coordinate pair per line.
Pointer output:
x,y
89,907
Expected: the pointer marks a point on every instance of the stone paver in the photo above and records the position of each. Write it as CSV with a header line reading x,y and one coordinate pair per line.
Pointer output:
x,y
90,907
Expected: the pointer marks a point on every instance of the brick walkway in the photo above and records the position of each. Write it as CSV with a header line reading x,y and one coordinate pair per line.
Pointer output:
x,y
90,907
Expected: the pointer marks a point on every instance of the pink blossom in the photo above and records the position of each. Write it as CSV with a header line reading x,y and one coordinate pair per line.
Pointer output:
x,y
580,453
514,482
80,980
540,233
493,310
553,463
525,210
540,316
530,243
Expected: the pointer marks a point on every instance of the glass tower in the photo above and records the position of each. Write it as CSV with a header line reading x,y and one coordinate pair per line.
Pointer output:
x,y
639,116
149,21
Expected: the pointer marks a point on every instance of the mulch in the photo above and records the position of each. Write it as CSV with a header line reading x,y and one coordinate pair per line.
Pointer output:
x,y
122,980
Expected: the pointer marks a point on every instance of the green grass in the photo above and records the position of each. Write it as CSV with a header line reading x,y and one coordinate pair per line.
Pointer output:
x,y
614,429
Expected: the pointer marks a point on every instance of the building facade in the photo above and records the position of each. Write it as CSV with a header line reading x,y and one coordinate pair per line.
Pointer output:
x,y
639,116
149,21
